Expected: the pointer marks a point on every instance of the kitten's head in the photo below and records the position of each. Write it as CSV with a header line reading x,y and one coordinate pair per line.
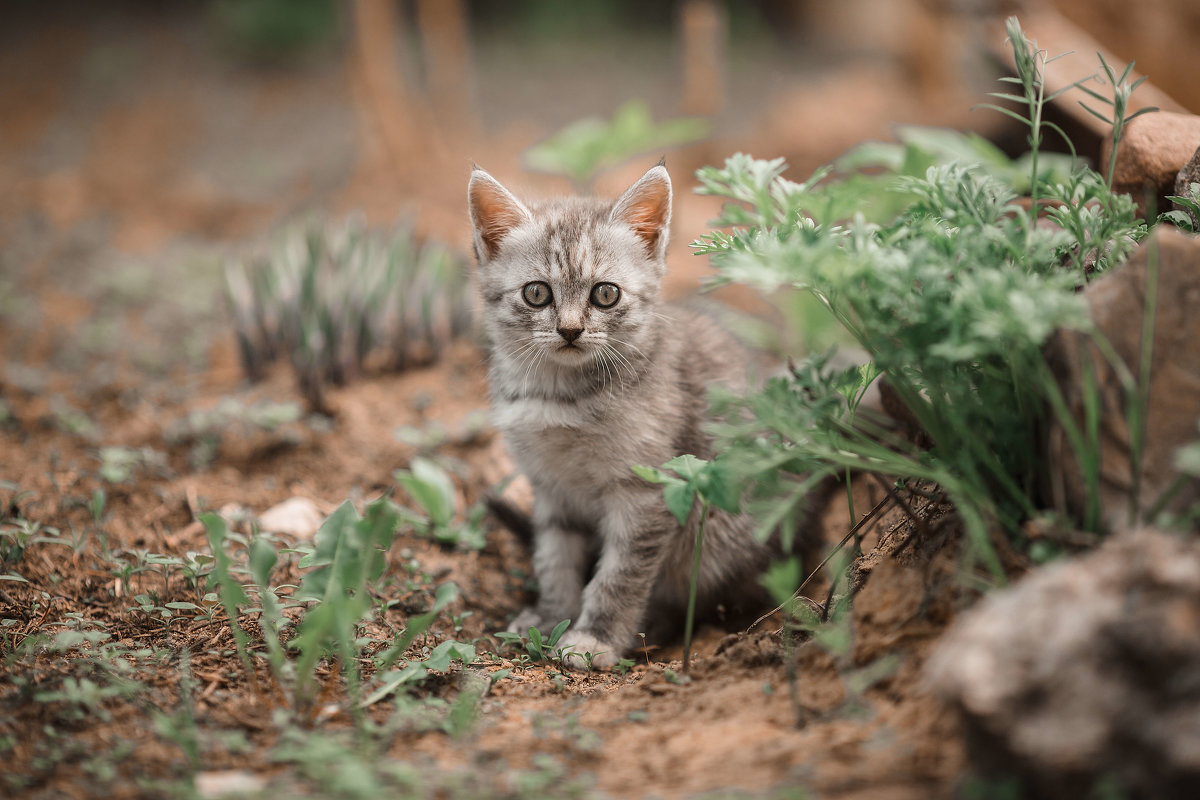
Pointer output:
x,y
574,281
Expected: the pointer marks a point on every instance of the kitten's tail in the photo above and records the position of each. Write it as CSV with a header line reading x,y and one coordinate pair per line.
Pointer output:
x,y
511,517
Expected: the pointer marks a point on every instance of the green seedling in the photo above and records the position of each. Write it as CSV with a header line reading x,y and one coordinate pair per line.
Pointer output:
x,y
446,594
1188,218
349,558
1030,64
1118,117
18,535
121,464
537,646
230,592
623,666
438,660
693,478
433,491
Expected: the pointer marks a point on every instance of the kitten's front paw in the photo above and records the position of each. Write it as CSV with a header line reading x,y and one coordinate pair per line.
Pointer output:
x,y
582,651
529,618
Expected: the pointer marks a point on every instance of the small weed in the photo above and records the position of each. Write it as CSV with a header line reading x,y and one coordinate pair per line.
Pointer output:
x,y
121,464
675,678
1186,218
623,666
537,646
432,490
693,478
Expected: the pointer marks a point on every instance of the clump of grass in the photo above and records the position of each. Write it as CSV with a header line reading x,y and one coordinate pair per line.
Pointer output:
x,y
337,299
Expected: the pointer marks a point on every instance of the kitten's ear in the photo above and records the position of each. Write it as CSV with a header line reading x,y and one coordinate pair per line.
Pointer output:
x,y
494,213
646,208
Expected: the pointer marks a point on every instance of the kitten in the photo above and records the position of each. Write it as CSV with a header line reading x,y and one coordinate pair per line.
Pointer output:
x,y
590,372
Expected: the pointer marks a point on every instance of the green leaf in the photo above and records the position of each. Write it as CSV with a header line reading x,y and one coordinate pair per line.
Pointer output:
x,y
558,631
651,474
679,497
447,652
720,488
262,560
183,606
430,486
535,642
781,579
687,466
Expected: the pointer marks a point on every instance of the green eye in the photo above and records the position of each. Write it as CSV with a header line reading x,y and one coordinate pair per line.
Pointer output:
x,y
605,295
537,294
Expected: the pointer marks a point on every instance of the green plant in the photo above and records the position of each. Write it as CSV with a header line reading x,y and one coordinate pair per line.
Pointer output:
x,y
694,478
1122,89
120,464
338,299
952,301
439,659
538,646
1186,218
1030,65
348,558
588,146
432,490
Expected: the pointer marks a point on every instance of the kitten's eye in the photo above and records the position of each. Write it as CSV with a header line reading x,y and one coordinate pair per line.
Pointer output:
x,y
537,294
605,295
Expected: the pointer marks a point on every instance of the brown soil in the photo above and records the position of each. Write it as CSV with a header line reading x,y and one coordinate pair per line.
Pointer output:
x,y
131,158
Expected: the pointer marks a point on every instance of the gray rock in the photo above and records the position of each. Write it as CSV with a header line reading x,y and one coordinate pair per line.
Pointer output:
x,y
1117,303
1085,672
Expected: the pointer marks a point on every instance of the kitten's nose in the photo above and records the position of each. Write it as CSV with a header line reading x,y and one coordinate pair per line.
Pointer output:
x,y
570,334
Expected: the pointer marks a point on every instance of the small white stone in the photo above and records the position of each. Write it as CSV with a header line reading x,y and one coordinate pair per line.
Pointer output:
x,y
219,783
296,516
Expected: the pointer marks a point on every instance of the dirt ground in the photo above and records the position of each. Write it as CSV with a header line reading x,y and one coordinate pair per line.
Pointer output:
x,y
132,160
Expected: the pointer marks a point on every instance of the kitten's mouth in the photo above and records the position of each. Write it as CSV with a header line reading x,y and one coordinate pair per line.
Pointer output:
x,y
571,351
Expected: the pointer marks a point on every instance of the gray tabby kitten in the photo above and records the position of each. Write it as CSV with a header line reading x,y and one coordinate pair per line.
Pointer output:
x,y
590,373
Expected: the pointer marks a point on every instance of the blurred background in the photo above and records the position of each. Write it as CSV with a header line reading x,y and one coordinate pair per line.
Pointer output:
x,y
143,141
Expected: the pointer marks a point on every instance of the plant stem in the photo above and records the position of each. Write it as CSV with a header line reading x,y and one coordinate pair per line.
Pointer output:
x,y
1138,409
691,607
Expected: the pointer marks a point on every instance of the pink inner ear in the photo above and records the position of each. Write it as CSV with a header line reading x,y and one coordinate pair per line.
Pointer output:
x,y
647,213
495,214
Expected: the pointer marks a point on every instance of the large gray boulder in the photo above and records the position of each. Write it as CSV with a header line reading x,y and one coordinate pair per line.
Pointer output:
x,y
1085,673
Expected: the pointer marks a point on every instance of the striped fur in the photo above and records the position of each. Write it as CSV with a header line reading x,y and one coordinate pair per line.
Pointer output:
x,y
630,390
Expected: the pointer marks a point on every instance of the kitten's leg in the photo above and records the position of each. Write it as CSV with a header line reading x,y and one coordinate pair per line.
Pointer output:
x,y
635,536
560,559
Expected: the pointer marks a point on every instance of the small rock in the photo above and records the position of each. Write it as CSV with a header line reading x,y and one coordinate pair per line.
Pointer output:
x,y
296,516
1117,303
1085,672
220,783
1154,147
